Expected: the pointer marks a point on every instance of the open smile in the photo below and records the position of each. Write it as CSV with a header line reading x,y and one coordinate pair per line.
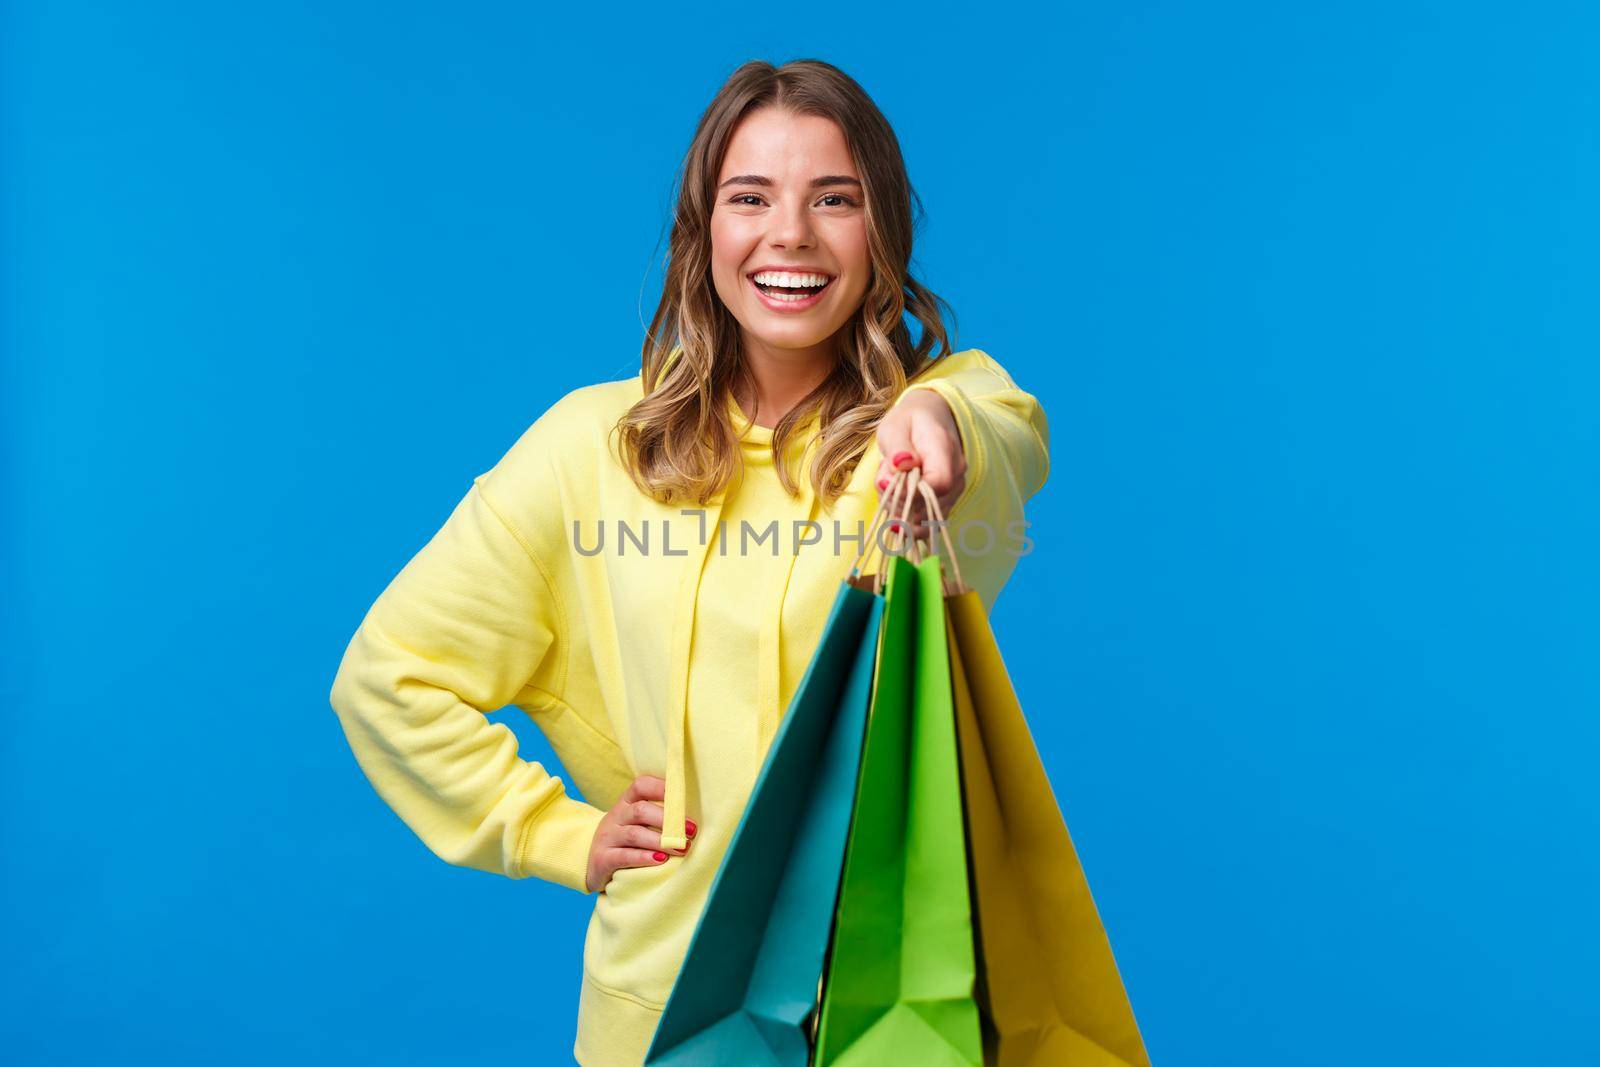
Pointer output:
x,y
787,291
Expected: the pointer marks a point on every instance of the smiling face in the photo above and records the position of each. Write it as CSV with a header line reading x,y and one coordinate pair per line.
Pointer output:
x,y
789,233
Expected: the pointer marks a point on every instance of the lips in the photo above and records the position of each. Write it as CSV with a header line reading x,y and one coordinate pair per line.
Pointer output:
x,y
770,299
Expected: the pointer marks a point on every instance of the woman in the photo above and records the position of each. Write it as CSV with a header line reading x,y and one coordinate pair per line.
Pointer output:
x,y
647,570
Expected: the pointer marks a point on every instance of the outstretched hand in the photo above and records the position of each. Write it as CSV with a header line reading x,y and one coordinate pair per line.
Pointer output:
x,y
920,431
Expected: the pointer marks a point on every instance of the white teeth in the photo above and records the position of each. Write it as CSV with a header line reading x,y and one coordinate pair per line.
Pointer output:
x,y
788,280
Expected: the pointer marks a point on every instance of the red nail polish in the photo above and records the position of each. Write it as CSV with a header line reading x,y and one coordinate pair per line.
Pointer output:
x,y
660,856
894,527
902,457
689,828
883,483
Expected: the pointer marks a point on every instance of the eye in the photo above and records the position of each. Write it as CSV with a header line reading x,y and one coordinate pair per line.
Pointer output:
x,y
754,200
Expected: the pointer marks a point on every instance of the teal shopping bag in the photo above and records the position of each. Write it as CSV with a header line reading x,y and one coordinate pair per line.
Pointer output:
x,y
751,975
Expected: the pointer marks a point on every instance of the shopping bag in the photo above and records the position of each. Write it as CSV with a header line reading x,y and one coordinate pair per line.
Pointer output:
x,y
901,968
749,981
1048,989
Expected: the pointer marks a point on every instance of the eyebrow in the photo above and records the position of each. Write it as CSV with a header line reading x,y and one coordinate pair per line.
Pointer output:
x,y
816,183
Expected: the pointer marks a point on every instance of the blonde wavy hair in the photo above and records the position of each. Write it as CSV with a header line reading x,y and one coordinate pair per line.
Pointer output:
x,y
678,442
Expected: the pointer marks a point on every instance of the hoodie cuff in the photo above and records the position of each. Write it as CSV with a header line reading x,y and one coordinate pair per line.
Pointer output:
x,y
971,443
555,843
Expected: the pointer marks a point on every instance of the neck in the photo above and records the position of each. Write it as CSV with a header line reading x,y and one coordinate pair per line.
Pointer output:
x,y
782,378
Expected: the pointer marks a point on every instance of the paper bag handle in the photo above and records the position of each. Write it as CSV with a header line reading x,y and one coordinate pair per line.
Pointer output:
x,y
892,506
936,520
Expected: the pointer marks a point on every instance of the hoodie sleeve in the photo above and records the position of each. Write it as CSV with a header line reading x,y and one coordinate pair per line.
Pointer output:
x,y
458,633
1007,444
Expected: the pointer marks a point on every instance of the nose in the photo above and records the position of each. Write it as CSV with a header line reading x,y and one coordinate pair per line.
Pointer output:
x,y
791,226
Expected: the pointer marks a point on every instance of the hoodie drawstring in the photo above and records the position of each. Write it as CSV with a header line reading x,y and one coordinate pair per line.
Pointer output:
x,y
770,658
673,829
674,833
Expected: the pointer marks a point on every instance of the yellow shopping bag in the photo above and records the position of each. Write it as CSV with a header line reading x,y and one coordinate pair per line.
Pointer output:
x,y
1048,989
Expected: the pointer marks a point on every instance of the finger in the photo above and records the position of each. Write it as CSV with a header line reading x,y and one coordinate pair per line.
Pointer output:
x,y
891,498
640,837
646,787
642,813
894,441
635,857
884,476
894,496
942,460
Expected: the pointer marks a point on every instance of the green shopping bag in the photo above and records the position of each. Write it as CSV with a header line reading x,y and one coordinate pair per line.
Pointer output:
x,y
899,983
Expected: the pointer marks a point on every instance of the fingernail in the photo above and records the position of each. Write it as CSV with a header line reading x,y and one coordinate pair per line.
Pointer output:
x,y
894,527
883,483
902,457
660,856
689,828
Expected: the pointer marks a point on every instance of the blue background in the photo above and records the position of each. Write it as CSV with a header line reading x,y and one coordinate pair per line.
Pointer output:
x,y
1308,639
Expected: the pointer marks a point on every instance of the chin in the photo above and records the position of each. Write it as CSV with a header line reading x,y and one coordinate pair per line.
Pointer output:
x,y
792,338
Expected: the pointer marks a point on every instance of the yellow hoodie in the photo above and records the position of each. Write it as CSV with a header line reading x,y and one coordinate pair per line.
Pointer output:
x,y
641,638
